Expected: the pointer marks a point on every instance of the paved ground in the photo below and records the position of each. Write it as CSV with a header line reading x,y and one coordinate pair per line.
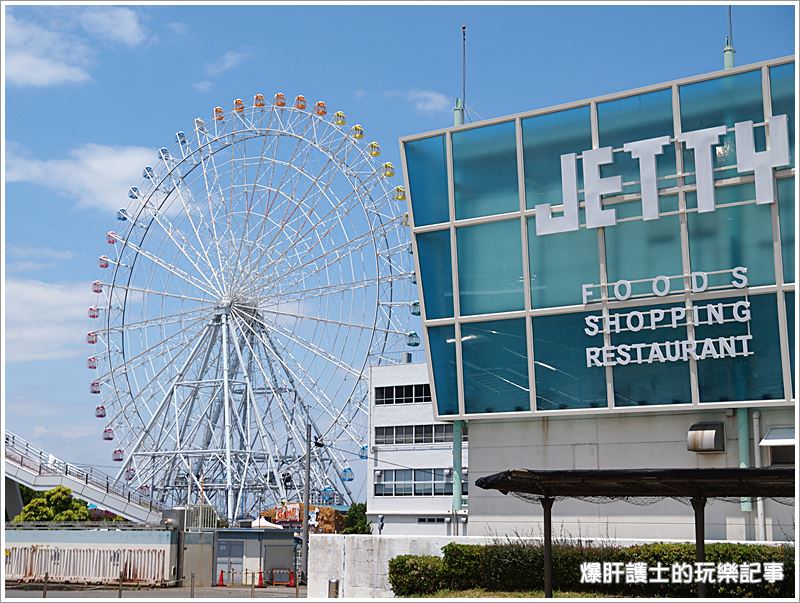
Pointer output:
x,y
158,593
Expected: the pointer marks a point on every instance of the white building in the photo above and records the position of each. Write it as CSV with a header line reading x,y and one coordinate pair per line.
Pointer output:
x,y
410,479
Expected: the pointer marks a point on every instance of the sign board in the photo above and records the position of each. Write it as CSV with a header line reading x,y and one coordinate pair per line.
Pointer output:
x,y
288,513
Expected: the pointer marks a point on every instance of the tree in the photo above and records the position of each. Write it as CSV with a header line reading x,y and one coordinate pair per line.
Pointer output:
x,y
355,522
55,505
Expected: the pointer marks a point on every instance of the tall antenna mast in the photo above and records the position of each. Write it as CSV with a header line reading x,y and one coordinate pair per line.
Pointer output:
x,y
458,110
728,51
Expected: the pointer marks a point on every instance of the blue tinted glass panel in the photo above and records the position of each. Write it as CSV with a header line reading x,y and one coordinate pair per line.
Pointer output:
x,y
553,256
437,273
637,118
443,358
485,171
652,381
427,179
644,249
790,330
781,80
545,138
754,377
724,100
786,205
730,237
495,361
490,267
559,360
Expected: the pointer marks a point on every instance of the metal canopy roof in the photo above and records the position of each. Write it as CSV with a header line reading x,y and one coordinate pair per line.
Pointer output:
x,y
623,483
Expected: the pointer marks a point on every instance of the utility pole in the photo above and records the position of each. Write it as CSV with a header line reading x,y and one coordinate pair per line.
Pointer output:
x,y
458,426
306,498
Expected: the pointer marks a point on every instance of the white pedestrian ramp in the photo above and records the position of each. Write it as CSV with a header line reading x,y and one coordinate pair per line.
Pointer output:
x,y
35,468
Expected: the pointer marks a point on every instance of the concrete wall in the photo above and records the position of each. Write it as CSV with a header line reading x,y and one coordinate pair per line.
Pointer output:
x,y
361,563
612,442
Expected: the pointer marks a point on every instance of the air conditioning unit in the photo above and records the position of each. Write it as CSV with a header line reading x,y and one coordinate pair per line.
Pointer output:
x,y
706,437
448,472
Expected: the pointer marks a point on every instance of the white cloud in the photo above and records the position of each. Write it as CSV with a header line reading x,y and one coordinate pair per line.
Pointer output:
x,y
94,175
36,56
429,101
30,258
360,93
61,49
203,86
46,321
178,28
227,61
47,253
113,23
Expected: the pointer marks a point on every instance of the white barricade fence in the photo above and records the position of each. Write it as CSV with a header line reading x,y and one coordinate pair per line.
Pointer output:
x,y
85,565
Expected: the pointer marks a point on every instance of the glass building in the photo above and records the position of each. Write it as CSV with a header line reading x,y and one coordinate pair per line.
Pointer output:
x,y
612,302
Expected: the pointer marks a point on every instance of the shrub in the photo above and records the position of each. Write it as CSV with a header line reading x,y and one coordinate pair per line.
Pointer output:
x,y
512,566
415,575
461,566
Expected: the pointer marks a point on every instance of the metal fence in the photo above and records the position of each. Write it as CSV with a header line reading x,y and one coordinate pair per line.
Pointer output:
x,y
26,455
86,565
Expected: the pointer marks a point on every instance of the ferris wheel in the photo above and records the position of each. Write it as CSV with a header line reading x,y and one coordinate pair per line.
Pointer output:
x,y
258,270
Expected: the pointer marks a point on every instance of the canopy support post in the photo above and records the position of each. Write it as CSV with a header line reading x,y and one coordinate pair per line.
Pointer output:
x,y
699,506
547,507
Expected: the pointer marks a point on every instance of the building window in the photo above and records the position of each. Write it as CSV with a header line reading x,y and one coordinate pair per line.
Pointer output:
x,y
403,394
423,434
384,435
417,434
430,519
781,456
443,433
416,482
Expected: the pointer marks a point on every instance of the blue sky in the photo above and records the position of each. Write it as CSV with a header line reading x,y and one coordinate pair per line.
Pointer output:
x,y
93,91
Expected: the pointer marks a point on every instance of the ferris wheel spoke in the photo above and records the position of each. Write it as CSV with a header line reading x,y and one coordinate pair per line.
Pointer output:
x,y
207,164
159,320
129,288
316,350
171,232
330,321
174,270
150,353
250,200
334,288
332,213
343,251
187,209
324,404
143,402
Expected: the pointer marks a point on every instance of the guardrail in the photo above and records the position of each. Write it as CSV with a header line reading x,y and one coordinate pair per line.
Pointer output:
x,y
41,462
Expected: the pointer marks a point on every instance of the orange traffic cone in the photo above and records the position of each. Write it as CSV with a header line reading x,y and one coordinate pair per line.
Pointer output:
x,y
221,581
260,579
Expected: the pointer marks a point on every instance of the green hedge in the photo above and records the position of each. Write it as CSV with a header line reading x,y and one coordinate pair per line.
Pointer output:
x,y
415,575
519,566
